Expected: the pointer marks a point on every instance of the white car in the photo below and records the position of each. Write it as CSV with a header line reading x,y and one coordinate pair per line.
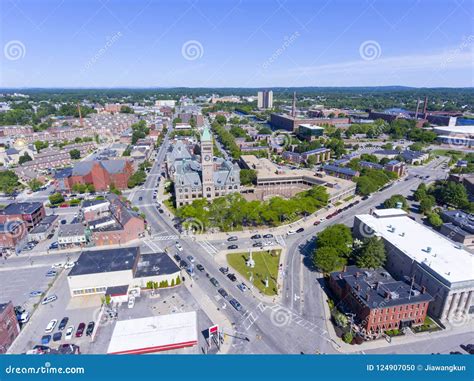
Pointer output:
x,y
179,247
69,332
131,302
49,299
25,316
57,266
51,325
69,265
291,232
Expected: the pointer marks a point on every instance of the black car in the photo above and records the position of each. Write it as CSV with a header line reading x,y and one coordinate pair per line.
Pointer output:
x,y
177,257
214,282
268,236
90,328
234,303
232,277
63,323
183,264
256,236
300,230
161,210
233,238
140,198
57,336
200,267
224,270
223,292
232,247
258,244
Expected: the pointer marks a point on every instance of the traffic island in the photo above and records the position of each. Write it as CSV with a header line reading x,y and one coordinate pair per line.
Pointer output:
x,y
259,268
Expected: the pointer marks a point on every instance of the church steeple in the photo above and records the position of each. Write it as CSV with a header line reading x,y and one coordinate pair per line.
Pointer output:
x,y
207,164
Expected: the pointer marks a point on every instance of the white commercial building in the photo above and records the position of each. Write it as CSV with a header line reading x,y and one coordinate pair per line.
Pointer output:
x,y
154,334
435,262
165,102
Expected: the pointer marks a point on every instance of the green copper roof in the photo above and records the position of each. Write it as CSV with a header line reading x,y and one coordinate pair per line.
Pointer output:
x,y
206,135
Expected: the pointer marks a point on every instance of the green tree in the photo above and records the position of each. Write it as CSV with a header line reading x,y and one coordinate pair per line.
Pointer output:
x,y
337,236
137,178
327,259
24,158
75,154
39,145
372,254
56,198
347,337
394,200
435,220
248,176
126,110
8,182
427,203
420,192
35,184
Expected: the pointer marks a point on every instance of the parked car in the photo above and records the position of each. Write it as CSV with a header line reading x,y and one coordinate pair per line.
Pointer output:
x,y
232,238
69,265
57,336
49,299
200,267
242,287
54,245
190,258
257,244
80,329
45,339
35,293
50,327
131,302
232,247
214,282
232,277
316,223
161,211
300,230
179,247
63,323
268,235
224,270
223,292
90,328
69,332
291,232
256,236
42,349
69,349
177,257
234,303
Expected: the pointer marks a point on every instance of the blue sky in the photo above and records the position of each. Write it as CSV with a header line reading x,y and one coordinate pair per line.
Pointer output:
x,y
228,43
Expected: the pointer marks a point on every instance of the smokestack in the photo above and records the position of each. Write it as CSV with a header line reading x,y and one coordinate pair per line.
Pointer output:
x,y
417,108
425,106
293,109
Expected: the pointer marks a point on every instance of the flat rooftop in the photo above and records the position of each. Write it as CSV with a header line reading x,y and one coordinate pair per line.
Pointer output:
x,y
422,245
104,261
154,334
311,126
155,264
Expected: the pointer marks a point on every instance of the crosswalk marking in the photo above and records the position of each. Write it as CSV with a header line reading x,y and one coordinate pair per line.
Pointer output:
x,y
281,240
208,247
165,238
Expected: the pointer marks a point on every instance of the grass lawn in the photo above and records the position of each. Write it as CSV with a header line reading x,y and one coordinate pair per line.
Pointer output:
x,y
266,264
428,325
170,205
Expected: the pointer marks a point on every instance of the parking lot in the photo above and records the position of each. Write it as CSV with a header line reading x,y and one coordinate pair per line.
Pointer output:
x,y
78,310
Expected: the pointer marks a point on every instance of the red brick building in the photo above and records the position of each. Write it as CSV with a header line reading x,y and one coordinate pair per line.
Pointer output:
x,y
379,302
12,233
101,174
120,226
9,327
32,213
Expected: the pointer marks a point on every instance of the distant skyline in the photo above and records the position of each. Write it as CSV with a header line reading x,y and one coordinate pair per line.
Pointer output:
x,y
271,43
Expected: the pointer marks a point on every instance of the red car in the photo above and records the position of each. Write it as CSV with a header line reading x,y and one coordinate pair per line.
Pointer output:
x,y
80,329
316,223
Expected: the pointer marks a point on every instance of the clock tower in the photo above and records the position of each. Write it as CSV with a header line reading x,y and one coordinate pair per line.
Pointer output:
x,y
207,164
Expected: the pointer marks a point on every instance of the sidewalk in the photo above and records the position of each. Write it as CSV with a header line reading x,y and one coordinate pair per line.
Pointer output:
x,y
211,311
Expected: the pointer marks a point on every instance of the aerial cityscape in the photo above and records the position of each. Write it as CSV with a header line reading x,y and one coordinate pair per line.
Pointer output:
x,y
237,178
